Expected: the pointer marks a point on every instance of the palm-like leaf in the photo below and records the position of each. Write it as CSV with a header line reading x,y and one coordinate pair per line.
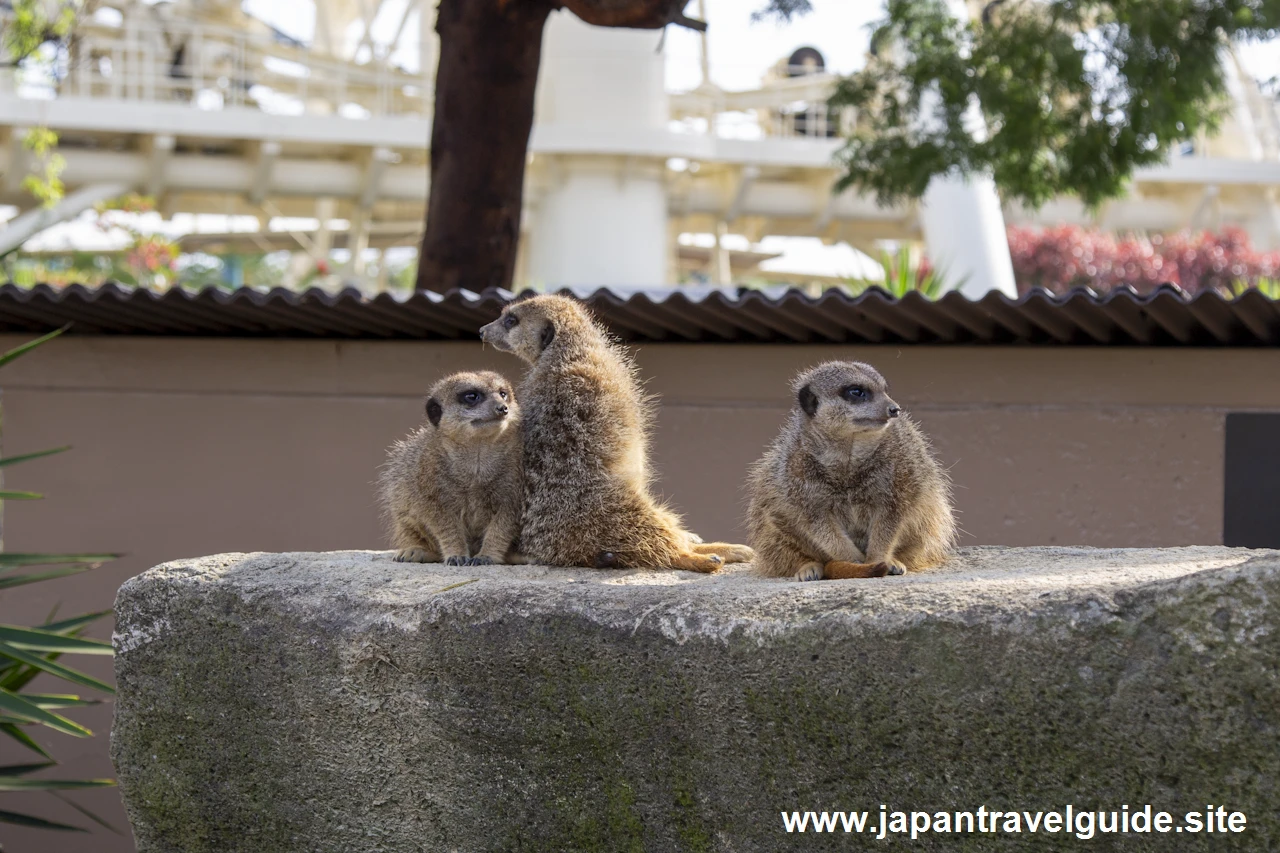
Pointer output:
x,y
27,652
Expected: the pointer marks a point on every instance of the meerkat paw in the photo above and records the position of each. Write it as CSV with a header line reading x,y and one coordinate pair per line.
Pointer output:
x,y
809,572
841,570
415,555
704,563
727,552
480,560
461,560
892,568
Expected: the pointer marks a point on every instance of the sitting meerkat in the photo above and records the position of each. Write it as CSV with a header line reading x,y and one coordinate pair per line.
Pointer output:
x,y
850,489
452,490
586,425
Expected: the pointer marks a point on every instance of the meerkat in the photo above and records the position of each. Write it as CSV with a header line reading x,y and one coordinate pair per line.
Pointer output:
x,y
851,488
453,490
586,431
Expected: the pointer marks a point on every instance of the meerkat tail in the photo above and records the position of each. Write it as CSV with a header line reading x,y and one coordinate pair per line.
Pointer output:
x,y
704,564
728,552
840,570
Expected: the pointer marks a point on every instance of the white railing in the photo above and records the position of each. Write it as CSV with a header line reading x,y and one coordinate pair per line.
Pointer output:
x,y
785,105
211,67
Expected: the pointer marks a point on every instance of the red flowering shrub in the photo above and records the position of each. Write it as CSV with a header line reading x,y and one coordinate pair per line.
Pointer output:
x,y
1064,257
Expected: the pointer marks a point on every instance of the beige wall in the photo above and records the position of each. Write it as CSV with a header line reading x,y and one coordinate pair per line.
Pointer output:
x,y
189,447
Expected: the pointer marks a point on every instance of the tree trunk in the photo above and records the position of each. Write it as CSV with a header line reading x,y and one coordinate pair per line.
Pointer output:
x,y
489,56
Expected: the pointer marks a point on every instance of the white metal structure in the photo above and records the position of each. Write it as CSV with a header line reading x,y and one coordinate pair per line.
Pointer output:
x,y
210,111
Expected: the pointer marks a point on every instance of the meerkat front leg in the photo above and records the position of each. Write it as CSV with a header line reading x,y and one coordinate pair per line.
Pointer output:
x,y
498,539
453,543
882,543
412,545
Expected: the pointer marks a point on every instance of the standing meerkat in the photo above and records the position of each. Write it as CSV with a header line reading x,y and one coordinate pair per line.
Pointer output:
x,y
586,425
453,489
850,489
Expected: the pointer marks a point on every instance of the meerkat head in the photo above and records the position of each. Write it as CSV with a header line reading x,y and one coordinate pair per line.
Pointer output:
x,y
467,406
844,399
530,327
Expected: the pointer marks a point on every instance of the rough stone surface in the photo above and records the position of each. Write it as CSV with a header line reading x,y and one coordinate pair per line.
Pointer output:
x,y
344,702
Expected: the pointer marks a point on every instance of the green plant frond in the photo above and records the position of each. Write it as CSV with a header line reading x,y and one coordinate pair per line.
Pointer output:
x,y
12,559
26,457
36,822
90,815
12,730
64,672
22,580
58,700
21,496
9,784
36,640
16,706
9,356
24,769
75,623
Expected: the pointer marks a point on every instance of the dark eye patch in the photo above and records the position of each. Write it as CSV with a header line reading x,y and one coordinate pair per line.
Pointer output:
x,y
471,397
856,394
510,321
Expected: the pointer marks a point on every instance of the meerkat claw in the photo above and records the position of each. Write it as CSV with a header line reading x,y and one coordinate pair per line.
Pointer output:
x,y
480,560
811,572
412,555
894,569
456,561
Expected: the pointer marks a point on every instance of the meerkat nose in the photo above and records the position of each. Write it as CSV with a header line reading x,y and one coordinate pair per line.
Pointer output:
x,y
894,411
502,409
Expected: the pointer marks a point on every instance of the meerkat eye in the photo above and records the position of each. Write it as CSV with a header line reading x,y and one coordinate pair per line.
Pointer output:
x,y
502,394
855,394
510,321
470,398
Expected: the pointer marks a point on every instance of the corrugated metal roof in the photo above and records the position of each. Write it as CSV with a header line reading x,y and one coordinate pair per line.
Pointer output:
x,y
1165,317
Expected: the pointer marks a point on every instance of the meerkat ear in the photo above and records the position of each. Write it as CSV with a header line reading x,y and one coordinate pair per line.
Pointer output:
x,y
808,401
434,411
548,335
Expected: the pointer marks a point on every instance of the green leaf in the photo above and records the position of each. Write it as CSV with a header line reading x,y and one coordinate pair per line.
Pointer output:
x,y
25,739
36,822
59,700
30,345
21,496
93,817
21,708
45,641
55,668
14,460
10,558
9,784
77,622
22,580
23,769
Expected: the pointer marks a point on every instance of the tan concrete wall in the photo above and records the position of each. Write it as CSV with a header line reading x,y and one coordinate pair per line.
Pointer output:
x,y
190,447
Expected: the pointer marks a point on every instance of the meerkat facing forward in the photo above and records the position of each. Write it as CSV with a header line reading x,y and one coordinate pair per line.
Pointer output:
x,y
586,425
453,490
850,489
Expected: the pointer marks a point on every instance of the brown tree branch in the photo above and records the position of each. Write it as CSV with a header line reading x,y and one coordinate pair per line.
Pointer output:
x,y
636,14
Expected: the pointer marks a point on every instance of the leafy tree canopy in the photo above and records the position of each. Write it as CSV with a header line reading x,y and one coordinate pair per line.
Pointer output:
x,y
1075,94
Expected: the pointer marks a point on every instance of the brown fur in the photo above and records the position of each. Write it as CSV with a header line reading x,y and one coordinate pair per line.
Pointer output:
x,y
453,489
850,489
586,425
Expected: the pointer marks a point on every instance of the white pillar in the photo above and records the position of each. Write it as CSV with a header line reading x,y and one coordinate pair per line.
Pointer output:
x,y
964,231
600,220
964,235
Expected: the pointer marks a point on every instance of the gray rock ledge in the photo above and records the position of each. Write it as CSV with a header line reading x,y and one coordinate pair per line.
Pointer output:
x,y
344,702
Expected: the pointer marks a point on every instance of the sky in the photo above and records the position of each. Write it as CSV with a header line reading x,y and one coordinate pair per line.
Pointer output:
x,y
741,51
